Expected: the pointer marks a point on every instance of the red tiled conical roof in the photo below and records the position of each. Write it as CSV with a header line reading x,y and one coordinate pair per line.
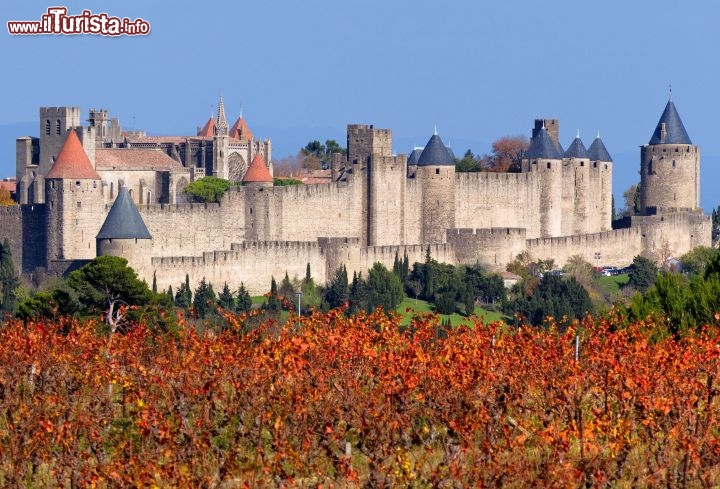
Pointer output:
x,y
72,163
208,129
257,172
240,130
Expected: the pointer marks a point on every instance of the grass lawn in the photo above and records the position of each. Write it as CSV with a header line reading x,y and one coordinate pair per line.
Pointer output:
x,y
611,285
409,308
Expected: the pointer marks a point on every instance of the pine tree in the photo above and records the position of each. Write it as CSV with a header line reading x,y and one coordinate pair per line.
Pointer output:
x,y
154,283
183,297
243,302
226,299
338,291
205,300
308,276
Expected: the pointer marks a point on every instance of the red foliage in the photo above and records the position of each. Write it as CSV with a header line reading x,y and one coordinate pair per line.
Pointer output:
x,y
357,401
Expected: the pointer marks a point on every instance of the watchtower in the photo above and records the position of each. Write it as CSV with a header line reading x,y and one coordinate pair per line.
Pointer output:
x,y
669,167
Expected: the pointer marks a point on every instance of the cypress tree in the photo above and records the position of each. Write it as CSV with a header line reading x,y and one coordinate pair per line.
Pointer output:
x,y
8,278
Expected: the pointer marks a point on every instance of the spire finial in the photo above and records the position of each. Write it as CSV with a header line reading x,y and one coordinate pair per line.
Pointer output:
x,y
435,132
669,93
221,124
598,134
578,134
543,126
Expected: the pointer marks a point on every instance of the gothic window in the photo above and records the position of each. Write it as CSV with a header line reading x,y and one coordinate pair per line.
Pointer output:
x,y
47,127
57,127
236,167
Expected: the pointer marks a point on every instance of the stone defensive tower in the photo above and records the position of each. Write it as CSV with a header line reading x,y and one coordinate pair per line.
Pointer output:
x,y
669,167
601,183
75,205
544,159
576,189
436,173
124,233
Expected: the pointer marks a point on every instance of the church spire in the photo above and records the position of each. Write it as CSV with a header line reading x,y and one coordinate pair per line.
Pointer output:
x,y
221,127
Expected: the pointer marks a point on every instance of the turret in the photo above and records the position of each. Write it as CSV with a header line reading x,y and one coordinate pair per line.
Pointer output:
x,y
124,233
669,167
257,174
576,189
74,203
544,159
436,172
601,185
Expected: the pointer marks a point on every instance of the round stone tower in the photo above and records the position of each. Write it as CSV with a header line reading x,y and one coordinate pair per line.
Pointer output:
x,y
543,157
436,173
124,234
669,167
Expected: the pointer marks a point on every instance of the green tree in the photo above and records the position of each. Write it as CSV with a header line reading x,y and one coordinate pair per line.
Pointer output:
x,y
310,293
243,302
273,303
359,294
696,260
287,289
207,189
384,288
183,297
204,300
105,285
338,291
226,300
631,197
9,281
554,297
468,163
643,273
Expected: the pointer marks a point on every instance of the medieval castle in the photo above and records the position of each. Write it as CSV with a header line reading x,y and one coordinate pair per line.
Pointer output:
x,y
93,190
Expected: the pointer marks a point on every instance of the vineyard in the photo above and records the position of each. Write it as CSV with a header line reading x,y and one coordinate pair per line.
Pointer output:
x,y
332,401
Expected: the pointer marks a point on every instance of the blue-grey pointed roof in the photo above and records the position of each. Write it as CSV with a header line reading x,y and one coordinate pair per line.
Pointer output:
x,y
542,147
576,149
674,129
414,156
598,152
436,154
124,220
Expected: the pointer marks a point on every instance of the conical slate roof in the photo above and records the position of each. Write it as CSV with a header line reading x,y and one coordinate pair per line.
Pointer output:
x,y
598,152
257,172
124,220
414,156
576,149
674,129
435,154
542,147
72,163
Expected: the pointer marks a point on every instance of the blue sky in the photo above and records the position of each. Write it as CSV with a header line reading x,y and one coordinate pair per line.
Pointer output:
x,y
478,70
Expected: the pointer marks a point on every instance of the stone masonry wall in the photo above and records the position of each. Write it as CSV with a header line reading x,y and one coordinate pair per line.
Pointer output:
x,y
616,248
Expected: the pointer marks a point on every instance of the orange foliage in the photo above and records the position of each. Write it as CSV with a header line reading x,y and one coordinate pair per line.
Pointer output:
x,y
5,197
356,401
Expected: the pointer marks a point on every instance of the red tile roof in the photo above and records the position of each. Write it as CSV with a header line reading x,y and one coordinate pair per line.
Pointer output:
x,y
10,186
72,163
257,172
208,130
134,159
240,130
